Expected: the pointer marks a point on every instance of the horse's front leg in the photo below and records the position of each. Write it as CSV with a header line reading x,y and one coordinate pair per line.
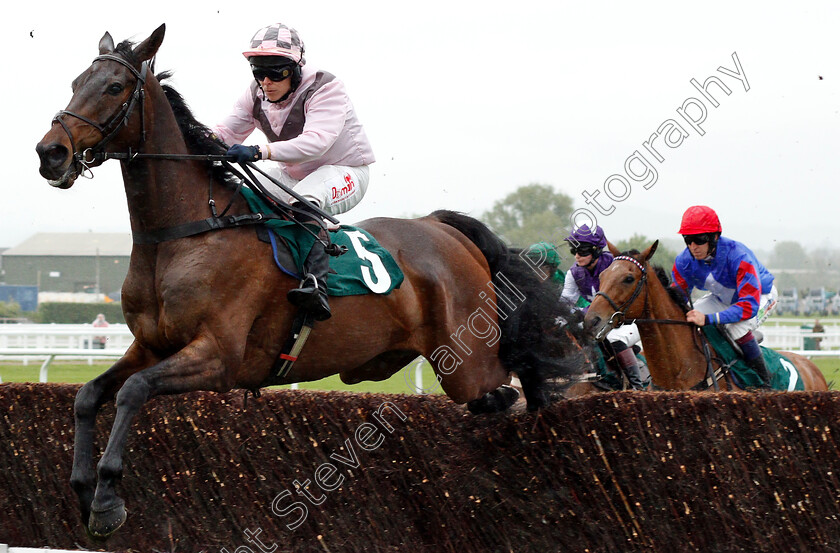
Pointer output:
x,y
89,399
196,367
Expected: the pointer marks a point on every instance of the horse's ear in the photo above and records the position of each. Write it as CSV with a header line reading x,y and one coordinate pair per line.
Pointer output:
x,y
106,44
149,47
648,253
613,249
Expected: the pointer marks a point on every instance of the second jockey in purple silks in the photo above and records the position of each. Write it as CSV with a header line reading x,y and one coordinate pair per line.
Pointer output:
x,y
582,280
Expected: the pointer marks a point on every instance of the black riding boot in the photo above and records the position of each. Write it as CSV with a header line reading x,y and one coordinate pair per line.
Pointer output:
x,y
629,364
760,369
754,358
311,295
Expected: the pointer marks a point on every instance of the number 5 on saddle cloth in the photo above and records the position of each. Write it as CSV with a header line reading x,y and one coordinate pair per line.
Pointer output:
x,y
365,268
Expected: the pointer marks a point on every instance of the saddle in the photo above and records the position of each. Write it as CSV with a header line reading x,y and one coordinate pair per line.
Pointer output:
x,y
365,266
783,374
362,266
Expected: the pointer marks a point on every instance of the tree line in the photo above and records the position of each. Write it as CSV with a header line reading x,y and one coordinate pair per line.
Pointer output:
x,y
538,213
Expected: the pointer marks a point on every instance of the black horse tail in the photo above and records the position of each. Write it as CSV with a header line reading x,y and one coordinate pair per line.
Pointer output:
x,y
542,334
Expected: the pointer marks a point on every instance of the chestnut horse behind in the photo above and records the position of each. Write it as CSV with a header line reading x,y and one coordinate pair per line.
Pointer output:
x,y
673,351
209,311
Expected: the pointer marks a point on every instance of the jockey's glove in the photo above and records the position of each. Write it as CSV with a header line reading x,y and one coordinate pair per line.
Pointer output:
x,y
242,154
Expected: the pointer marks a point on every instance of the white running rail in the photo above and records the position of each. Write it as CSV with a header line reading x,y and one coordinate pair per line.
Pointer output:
x,y
48,342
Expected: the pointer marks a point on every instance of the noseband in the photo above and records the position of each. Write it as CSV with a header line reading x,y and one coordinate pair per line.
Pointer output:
x,y
115,123
617,318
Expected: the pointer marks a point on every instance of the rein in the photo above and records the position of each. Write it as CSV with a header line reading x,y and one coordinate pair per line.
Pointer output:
x,y
285,211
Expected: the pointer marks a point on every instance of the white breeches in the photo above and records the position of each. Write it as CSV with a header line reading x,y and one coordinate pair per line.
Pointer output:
x,y
710,303
334,188
628,334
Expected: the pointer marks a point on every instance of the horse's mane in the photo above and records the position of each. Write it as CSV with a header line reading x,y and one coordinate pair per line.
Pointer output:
x,y
198,136
126,50
674,292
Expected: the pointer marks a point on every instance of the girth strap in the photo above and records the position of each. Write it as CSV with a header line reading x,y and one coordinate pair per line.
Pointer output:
x,y
197,227
711,380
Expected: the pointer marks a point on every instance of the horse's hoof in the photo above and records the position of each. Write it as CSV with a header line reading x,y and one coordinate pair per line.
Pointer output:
x,y
104,523
496,401
506,396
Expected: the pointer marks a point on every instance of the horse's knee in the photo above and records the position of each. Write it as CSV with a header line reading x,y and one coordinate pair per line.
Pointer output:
x,y
87,401
133,393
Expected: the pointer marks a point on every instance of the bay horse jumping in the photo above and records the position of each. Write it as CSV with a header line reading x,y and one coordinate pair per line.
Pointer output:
x,y
631,290
209,311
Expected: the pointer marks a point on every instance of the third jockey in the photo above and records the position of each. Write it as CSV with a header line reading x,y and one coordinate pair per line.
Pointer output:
x,y
590,261
741,291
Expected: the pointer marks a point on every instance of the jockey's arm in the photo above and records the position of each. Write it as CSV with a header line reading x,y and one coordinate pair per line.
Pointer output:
x,y
571,291
747,297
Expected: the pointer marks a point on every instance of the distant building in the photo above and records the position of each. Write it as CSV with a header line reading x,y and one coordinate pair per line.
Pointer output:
x,y
69,262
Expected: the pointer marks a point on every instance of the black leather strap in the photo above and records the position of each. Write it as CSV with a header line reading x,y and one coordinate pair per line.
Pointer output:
x,y
198,227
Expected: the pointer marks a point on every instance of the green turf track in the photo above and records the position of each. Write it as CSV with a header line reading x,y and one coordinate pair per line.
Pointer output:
x,y
400,383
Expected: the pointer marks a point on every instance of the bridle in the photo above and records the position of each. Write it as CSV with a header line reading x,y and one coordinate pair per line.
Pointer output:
x,y
116,122
618,318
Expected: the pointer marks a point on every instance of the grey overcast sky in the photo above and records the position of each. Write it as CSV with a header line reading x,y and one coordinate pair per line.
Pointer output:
x,y
466,101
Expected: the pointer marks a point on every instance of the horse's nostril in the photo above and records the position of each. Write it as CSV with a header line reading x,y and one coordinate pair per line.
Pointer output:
x,y
57,155
53,156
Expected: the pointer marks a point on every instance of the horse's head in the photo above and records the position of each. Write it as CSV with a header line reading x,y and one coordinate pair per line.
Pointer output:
x,y
622,292
107,104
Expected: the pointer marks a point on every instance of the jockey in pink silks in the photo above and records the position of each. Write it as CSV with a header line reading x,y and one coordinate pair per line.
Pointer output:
x,y
314,137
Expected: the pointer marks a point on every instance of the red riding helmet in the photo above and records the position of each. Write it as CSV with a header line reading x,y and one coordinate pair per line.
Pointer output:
x,y
698,219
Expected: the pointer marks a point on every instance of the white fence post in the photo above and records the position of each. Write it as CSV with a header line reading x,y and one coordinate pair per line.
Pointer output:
x,y
6,549
47,342
418,374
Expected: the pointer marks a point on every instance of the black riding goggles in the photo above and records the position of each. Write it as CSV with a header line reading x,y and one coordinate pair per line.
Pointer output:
x,y
582,250
274,74
699,239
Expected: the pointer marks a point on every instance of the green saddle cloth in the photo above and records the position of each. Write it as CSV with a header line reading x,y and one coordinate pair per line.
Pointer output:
x,y
365,268
783,374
